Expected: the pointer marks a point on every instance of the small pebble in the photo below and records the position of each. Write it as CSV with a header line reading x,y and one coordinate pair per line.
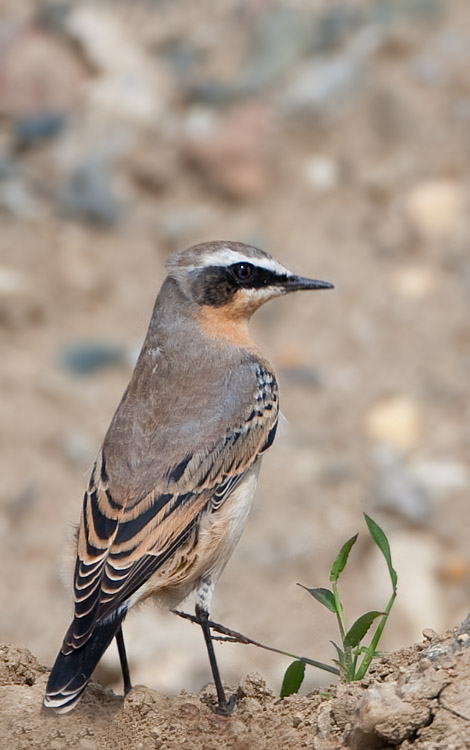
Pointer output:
x,y
434,208
85,358
322,173
89,195
30,131
395,420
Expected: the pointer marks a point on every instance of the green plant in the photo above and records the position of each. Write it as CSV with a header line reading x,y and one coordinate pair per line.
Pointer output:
x,y
353,658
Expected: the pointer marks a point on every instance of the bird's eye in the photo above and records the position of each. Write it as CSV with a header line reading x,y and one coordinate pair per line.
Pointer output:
x,y
243,271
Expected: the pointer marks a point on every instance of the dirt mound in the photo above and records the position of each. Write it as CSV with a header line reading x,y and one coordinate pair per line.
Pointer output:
x,y
415,698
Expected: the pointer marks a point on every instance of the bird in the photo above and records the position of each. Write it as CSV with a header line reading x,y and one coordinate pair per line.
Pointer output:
x,y
173,483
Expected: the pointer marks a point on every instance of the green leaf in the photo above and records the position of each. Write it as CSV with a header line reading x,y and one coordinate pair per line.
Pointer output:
x,y
382,543
293,678
357,631
324,596
342,558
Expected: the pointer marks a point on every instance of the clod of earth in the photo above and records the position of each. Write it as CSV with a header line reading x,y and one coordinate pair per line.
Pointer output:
x,y
414,699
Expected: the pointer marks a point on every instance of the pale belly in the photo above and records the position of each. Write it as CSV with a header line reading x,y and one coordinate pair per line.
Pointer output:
x,y
203,559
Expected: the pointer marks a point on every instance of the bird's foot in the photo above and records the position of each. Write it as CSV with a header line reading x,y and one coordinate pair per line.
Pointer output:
x,y
226,708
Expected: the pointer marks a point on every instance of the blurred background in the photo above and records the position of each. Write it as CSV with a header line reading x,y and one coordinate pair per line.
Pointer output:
x,y
333,134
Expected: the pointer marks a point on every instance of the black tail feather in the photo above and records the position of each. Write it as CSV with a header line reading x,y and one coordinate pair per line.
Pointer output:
x,y
71,672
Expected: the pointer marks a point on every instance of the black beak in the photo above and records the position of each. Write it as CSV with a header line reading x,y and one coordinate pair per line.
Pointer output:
x,y
296,283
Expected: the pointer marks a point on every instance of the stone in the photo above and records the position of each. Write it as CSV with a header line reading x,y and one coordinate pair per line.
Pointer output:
x,y
395,420
253,686
382,714
322,173
439,477
89,194
456,698
323,85
30,131
39,74
87,357
129,86
434,208
103,37
16,199
278,39
414,486
12,282
230,152
397,490
415,282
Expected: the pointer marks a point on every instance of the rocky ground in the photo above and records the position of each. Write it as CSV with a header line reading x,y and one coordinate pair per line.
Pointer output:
x,y
414,699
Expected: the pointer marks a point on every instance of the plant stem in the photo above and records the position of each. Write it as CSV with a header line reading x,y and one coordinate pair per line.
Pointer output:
x,y
235,637
339,612
372,648
353,666
348,671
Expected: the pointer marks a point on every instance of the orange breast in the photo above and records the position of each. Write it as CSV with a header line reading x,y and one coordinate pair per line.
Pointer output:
x,y
228,323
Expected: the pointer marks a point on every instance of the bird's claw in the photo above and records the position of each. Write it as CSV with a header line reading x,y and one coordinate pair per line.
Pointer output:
x,y
227,708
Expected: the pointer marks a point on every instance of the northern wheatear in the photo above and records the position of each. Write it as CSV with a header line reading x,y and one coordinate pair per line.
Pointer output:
x,y
172,487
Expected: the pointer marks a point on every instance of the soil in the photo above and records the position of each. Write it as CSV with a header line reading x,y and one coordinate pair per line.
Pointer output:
x,y
414,699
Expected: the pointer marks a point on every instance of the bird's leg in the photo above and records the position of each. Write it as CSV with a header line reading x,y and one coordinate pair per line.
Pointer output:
x,y
123,659
225,707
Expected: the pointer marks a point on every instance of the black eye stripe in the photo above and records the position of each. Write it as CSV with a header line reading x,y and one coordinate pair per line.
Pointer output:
x,y
217,285
254,277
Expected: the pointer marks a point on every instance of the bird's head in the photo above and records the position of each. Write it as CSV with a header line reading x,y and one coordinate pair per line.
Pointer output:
x,y
228,281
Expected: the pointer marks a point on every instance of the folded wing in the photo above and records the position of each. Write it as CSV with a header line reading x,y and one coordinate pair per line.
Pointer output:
x,y
122,544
